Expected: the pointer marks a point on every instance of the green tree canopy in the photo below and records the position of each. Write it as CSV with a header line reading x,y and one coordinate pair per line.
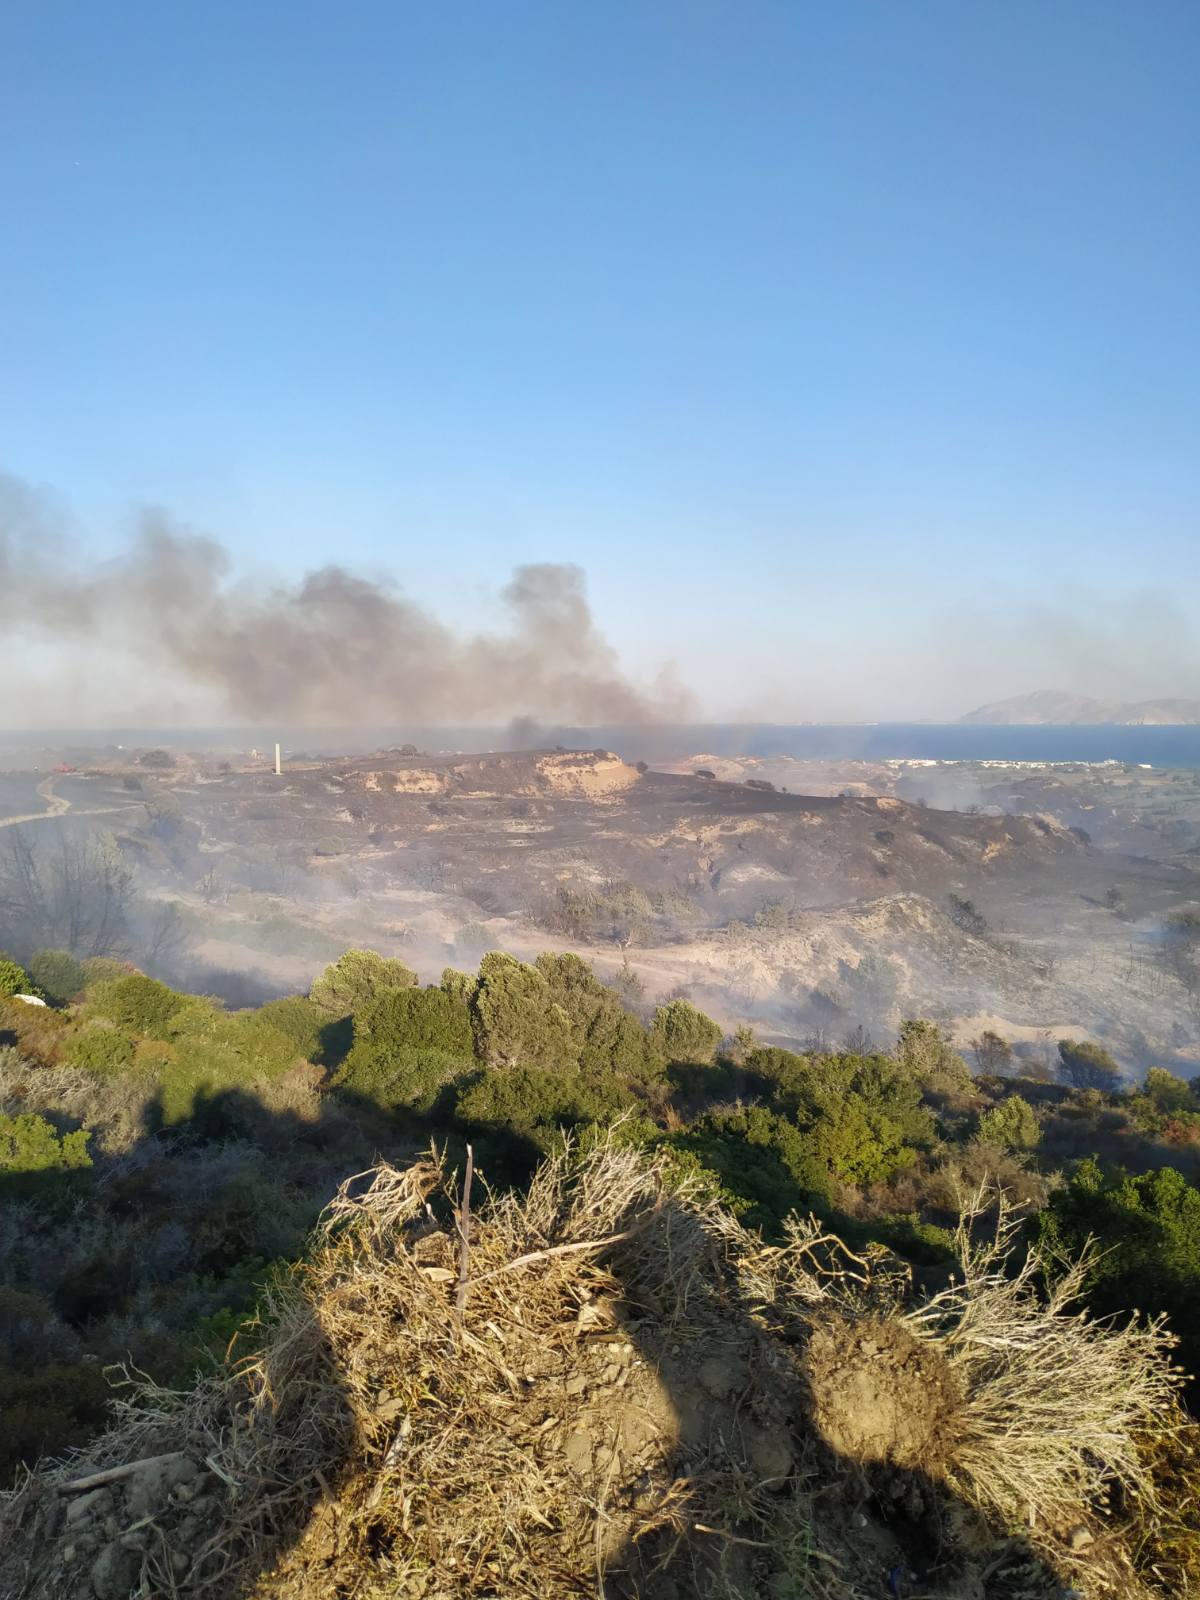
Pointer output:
x,y
684,1034
1013,1125
136,1002
1087,1066
356,977
58,975
516,1019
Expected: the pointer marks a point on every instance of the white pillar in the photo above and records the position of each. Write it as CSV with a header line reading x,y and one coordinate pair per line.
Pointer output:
x,y
278,767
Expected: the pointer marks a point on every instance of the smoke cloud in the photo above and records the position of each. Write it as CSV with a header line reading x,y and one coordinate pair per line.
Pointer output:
x,y
332,648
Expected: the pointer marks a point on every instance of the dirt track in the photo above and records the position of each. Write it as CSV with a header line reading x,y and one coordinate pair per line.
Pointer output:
x,y
56,806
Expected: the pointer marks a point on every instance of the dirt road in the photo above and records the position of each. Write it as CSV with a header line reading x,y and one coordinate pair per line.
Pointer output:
x,y
55,806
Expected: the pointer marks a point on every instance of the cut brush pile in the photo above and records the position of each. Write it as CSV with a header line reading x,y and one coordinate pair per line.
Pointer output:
x,y
606,1387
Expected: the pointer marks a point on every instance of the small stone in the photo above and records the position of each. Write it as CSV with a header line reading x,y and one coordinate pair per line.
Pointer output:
x,y
578,1451
94,1504
1080,1537
113,1572
577,1384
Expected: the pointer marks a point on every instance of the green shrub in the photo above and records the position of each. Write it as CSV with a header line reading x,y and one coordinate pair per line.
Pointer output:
x,y
301,1020
926,1051
516,1019
608,1037
99,969
535,1103
217,1052
682,1033
356,978
1013,1125
783,1077
1168,1094
14,979
99,1049
1087,1066
28,1143
136,1002
401,1077
58,975
761,1160
415,1018
1148,1231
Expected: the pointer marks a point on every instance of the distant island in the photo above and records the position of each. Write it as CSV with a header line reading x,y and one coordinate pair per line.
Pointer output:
x,y
1051,707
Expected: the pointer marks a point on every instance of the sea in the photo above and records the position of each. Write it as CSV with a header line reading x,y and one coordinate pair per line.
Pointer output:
x,y
1148,746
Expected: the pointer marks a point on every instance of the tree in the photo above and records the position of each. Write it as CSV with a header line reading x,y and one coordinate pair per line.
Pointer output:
x,y
684,1034
73,896
1013,1125
1167,1093
1087,1066
926,1051
356,978
516,1018
609,1038
58,975
993,1054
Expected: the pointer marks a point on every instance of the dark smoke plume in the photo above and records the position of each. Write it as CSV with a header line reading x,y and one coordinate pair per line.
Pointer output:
x,y
334,647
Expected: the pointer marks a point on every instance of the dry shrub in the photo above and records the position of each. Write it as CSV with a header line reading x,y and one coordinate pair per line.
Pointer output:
x,y
628,1397
1054,1402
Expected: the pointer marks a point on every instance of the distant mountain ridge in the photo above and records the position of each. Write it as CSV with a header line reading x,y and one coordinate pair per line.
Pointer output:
x,y
1052,707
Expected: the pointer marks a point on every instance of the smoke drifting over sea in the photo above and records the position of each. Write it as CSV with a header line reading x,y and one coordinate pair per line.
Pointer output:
x,y
333,647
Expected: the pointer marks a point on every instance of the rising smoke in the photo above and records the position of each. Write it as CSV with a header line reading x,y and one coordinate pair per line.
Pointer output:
x,y
331,648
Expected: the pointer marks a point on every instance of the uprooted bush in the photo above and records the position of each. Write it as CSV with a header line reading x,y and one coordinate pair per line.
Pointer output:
x,y
608,1386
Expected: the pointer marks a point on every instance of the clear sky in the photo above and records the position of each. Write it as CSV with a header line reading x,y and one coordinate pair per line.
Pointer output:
x,y
851,348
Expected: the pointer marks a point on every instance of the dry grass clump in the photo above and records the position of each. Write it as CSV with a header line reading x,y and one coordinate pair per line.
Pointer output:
x,y
607,1387
1055,1404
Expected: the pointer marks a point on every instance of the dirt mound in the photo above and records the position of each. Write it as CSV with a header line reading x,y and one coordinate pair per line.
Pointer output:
x,y
608,1387
590,775
880,1395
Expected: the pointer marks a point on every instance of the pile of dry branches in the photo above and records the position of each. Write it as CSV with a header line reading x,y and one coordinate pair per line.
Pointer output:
x,y
598,1387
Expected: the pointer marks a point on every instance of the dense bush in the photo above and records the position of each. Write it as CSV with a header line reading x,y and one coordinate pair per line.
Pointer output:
x,y
99,1048
418,1018
1149,1230
1013,1125
516,1019
356,978
59,977
28,1143
401,1077
608,1037
14,979
1087,1066
136,1002
682,1033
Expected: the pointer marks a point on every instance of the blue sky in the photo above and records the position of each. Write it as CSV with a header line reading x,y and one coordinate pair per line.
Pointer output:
x,y
852,349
